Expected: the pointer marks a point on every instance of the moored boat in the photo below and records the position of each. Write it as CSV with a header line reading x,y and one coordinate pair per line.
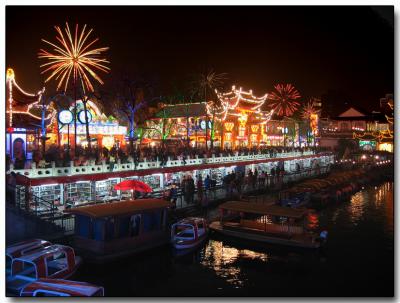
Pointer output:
x,y
61,288
189,233
108,231
265,223
55,261
23,248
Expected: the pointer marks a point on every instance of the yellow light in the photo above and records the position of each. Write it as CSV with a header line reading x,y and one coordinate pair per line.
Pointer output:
x,y
229,126
108,141
10,74
254,128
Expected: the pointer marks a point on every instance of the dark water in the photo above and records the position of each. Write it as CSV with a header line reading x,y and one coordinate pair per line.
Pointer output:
x,y
357,261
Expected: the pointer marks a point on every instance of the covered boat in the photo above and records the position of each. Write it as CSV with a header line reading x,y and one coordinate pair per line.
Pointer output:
x,y
23,248
189,233
55,261
107,231
61,288
265,223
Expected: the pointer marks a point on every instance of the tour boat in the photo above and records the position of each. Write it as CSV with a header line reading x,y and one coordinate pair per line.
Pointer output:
x,y
23,248
61,288
108,231
54,261
265,223
189,233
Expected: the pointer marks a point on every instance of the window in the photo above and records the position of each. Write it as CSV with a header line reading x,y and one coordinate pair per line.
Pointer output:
x,y
56,263
135,222
24,268
344,126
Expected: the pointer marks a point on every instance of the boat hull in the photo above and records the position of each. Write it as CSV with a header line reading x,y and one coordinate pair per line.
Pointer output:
x,y
189,244
217,227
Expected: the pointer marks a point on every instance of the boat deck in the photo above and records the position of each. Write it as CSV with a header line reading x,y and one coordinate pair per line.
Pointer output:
x,y
289,239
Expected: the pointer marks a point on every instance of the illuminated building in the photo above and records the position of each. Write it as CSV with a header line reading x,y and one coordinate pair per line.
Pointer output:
x,y
104,131
236,120
370,130
242,116
23,117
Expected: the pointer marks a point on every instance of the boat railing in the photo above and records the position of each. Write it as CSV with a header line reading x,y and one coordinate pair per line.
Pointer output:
x,y
272,228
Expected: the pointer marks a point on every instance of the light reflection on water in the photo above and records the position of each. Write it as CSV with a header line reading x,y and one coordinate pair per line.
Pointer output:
x,y
225,260
359,252
373,205
356,207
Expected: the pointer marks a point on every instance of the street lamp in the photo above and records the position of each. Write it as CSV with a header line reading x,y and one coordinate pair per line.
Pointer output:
x,y
284,132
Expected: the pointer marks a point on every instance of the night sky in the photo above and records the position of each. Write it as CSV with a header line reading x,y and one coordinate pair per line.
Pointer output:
x,y
345,53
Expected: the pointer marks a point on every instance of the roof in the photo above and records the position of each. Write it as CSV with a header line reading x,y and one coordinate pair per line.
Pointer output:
x,y
182,111
379,117
64,286
35,243
190,220
119,208
262,209
52,249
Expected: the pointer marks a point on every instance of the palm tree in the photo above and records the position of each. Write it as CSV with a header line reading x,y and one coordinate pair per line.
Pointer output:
x,y
204,85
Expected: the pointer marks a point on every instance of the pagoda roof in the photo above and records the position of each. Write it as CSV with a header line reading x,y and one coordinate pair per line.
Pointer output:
x,y
238,99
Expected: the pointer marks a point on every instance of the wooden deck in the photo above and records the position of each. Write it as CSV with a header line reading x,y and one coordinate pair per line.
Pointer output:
x,y
248,233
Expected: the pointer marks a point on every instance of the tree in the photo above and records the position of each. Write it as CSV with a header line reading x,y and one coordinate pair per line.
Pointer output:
x,y
163,128
132,96
204,86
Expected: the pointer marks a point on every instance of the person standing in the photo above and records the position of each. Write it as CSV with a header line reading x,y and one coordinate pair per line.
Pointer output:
x,y
112,161
199,186
191,189
173,194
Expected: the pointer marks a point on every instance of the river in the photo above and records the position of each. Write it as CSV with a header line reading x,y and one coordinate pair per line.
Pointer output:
x,y
358,260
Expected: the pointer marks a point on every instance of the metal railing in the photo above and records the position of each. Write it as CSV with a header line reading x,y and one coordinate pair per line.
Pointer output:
x,y
51,170
45,210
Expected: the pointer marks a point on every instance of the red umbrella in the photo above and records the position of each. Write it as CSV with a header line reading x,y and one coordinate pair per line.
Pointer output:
x,y
133,185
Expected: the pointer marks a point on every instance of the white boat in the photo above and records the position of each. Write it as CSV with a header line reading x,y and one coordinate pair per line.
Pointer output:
x,y
189,233
61,288
55,261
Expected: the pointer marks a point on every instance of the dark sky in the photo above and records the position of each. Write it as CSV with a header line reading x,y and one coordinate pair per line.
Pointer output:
x,y
341,51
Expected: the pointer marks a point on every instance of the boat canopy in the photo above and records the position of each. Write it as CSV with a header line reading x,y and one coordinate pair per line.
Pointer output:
x,y
20,247
53,249
190,221
72,288
262,209
119,208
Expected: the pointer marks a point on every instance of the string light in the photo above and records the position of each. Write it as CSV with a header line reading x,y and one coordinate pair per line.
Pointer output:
x,y
11,111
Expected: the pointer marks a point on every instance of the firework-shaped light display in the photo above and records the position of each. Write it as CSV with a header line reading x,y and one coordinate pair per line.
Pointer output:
x,y
73,56
283,100
309,109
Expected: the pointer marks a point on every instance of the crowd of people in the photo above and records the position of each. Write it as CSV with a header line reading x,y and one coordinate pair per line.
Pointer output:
x,y
62,156
195,190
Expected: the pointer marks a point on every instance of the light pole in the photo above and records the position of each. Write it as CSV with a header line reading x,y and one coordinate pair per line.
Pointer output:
x,y
284,132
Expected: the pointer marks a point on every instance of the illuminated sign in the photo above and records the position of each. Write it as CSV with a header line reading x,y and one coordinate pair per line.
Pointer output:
x,y
82,117
365,144
203,124
65,116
